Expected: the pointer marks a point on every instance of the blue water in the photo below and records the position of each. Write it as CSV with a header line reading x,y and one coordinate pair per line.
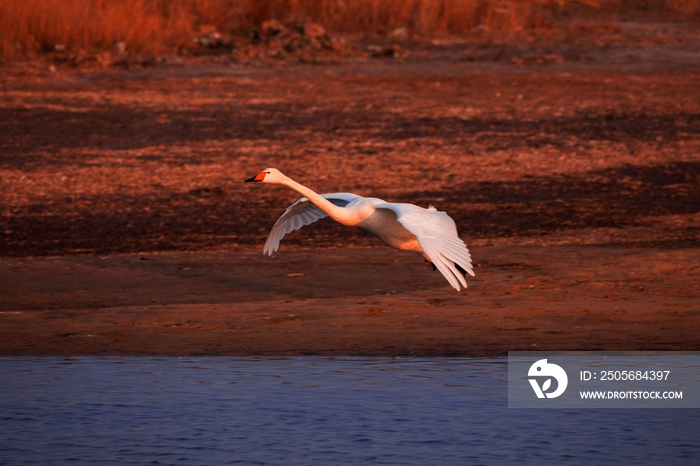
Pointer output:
x,y
326,411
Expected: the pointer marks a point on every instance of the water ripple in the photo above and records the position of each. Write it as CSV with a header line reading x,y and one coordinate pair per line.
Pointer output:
x,y
268,411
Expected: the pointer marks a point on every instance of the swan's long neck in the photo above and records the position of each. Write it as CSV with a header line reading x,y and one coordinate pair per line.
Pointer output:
x,y
339,214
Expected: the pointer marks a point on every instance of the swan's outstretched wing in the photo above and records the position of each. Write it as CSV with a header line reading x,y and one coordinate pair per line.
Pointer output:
x,y
300,214
437,235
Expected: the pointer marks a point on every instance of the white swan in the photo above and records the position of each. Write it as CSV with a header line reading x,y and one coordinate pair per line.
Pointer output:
x,y
429,232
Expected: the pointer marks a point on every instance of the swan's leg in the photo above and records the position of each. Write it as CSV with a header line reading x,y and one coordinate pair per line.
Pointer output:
x,y
461,270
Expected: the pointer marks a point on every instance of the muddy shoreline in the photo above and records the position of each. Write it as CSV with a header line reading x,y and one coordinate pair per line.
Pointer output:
x,y
366,301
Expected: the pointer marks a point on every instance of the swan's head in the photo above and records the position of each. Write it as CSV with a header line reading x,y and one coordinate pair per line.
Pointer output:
x,y
269,175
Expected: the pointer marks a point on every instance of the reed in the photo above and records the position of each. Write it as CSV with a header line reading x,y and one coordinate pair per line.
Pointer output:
x,y
157,26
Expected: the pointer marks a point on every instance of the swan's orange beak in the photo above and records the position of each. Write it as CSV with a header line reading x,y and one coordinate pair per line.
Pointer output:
x,y
259,177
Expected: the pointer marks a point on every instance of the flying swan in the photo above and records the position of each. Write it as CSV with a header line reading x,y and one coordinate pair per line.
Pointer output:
x,y
407,227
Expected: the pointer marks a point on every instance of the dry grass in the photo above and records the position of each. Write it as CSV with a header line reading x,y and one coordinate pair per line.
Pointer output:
x,y
158,26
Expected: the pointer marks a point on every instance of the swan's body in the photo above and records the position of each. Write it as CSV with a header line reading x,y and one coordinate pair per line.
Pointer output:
x,y
429,232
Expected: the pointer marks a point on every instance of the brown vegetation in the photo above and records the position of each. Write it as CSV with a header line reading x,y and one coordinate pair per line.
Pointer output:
x,y
155,27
